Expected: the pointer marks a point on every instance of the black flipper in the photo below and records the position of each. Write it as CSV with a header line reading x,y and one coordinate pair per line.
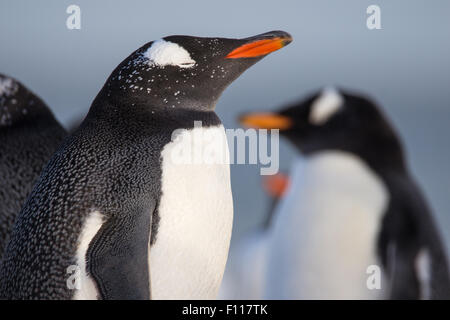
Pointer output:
x,y
117,257
404,280
399,244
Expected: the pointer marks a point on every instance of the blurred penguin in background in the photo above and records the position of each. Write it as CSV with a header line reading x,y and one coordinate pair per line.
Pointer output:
x,y
245,273
29,135
354,224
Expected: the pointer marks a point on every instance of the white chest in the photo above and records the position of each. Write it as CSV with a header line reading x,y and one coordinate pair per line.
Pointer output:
x,y
188,258
325,232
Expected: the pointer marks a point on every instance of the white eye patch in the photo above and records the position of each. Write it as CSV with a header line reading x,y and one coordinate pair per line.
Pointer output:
x,y
164,53
325,106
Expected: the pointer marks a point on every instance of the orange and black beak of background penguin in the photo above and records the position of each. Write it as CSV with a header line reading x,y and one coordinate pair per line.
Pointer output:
x,y
290,125
292,121
267,120
286,123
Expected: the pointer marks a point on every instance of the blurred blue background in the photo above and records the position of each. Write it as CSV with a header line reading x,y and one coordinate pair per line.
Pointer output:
x,y
405,66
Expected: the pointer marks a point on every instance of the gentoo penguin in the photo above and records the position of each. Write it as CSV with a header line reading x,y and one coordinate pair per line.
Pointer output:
x,y
137,202
353,224
245,272
29,135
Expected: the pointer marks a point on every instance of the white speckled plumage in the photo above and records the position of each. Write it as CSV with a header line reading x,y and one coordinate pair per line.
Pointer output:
x,y
7,86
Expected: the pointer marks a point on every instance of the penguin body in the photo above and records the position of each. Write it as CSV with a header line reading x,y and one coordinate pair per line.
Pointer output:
x,y
353,207
410,245
204,190
29,135
122,202
328,226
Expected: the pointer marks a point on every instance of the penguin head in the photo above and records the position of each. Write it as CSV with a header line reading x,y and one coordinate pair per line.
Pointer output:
x,y
18,104
187,72
331,120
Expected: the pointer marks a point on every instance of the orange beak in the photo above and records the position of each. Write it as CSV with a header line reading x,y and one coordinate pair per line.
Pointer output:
x,y
276,185
260,47
266,120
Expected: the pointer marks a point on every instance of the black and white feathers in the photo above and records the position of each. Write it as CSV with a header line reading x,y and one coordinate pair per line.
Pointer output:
x,y
96,207
353,203
29,135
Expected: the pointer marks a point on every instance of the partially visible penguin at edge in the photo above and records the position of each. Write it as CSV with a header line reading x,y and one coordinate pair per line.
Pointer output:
x,y
29,135
352,205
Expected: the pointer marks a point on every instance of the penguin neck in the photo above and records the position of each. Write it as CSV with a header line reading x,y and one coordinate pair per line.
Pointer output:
x,y
153,103
383,154
151,96
149,114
